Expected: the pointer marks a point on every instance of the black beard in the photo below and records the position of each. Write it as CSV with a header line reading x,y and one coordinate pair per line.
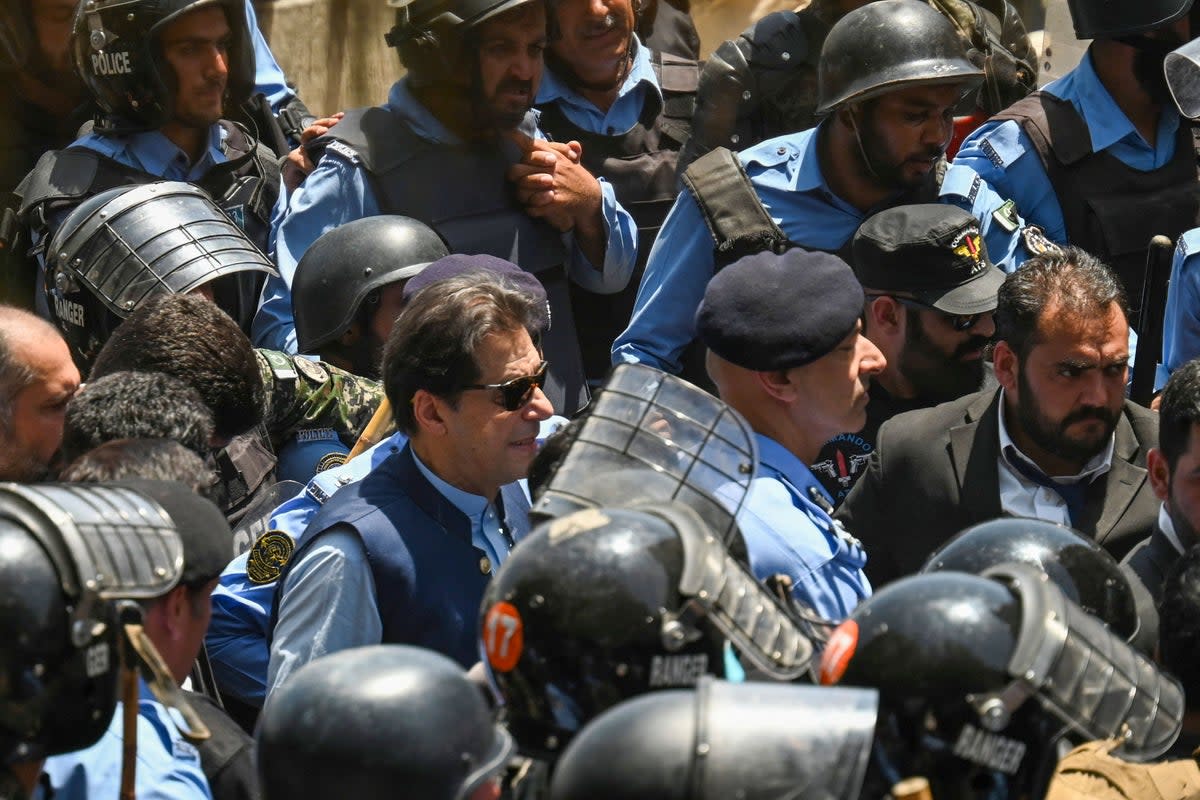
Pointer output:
x,y
1051,436
1148,67
934,375
883,172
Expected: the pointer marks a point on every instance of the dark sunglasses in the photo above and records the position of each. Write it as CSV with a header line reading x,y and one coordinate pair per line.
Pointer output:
x,y
518,392
960,322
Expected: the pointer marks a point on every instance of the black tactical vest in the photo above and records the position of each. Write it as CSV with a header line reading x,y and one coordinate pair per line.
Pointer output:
x,y
640,164
462,193
245,187
1111,210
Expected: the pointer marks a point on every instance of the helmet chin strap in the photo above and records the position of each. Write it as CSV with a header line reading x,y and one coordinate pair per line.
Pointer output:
x,y
862,151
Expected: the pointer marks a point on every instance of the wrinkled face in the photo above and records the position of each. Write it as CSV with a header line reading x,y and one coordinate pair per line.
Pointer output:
x,y
904,133
593,39
196,48
1071,385
35,431
492,446
835,385
510,64
940,362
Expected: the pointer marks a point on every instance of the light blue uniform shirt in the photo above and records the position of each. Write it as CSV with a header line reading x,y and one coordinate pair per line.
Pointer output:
x,y
168,768
787,532
268,77
786,174
486,534
624,112
1002,154
155,154
1181,321
338,192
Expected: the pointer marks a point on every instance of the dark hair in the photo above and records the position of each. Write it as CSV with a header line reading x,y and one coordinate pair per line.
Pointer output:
x,y
153,459
189,338
1078,283
433,343
136,405
1179,623
1179,411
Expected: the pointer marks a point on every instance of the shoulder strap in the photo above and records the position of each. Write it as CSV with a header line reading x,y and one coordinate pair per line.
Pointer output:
x,y
679,80
1053,125
731,209
374,137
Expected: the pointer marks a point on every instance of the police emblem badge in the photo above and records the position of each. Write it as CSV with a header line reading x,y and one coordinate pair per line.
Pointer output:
x,y
268,556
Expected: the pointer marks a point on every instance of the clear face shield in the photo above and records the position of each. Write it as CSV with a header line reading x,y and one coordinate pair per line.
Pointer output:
x,y
1182,67
699,452
1081,674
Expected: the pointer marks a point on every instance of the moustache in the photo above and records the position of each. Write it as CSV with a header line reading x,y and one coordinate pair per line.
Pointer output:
x,y
601,26
972,345
1091,412
515,85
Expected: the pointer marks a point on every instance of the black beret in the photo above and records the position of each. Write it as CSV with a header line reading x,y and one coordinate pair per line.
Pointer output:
x,y
456,264
770,311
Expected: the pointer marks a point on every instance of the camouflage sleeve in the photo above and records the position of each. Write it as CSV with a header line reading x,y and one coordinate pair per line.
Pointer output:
x,y
305,395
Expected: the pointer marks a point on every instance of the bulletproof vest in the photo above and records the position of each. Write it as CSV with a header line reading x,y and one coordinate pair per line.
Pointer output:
x,y
429,581
736,219
245,469
462,193
1110,209
245,187
640,165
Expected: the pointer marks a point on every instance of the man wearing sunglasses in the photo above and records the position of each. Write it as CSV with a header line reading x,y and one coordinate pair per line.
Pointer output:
x,y
931,292
1057,441
403,556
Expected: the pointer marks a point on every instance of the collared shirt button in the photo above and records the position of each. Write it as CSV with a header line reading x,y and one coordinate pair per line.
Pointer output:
x,y
781,150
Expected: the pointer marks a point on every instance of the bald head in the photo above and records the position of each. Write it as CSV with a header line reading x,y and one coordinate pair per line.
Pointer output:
x,y
37,378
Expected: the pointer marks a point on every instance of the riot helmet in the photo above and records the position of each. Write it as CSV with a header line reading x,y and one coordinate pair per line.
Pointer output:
x,y
70,550
751,741
981,679
888,45
1105,19
607,603
1082,569
117,50
121,247
346,266
371,721
673,440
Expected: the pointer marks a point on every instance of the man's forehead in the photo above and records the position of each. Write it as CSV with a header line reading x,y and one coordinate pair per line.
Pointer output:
x,y
935,96
527,21
1063,336
201,22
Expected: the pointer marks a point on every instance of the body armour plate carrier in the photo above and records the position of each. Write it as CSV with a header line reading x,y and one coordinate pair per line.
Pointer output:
x,y
1111,210
640,164
462,193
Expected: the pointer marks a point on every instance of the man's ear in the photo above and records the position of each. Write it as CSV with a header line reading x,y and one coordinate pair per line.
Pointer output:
x,y
885,318
351,336
429,412
779,384
1159,472
1006,366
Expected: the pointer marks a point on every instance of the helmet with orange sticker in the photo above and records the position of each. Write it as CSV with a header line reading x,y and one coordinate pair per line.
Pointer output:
x,y
981,677
605,604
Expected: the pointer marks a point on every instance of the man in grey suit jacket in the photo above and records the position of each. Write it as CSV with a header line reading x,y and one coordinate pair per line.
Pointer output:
x,y
1058,441
1174,468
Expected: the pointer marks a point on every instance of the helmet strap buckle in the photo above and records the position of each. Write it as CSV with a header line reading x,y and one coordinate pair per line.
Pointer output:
x,y
995,709
681,628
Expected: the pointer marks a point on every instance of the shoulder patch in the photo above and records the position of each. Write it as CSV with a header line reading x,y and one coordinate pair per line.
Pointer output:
x,y
310,369
281,365
1036,242
986,147
317,492
316,435
268,556
1006,217
344,151
330,460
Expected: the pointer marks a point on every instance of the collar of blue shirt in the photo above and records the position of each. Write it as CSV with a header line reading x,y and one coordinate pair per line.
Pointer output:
x,y
155,154
641,73
774,456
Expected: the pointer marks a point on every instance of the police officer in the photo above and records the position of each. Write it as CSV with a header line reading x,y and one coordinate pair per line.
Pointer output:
x,y
630,108
763,84
888,123
161,74
931,292
981,678
367,721
755,741
1100,158
456,146
797,368
59,619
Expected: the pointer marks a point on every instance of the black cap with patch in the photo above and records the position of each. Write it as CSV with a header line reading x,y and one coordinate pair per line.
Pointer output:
x,y
933,252
207,539
774,311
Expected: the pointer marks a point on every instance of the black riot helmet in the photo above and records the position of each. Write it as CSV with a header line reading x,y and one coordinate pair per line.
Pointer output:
x,y
121,247
1082,569
982,678
70,551
751,741
888,45
376,723
345,266
430,34
604,604
1106,19
118,50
